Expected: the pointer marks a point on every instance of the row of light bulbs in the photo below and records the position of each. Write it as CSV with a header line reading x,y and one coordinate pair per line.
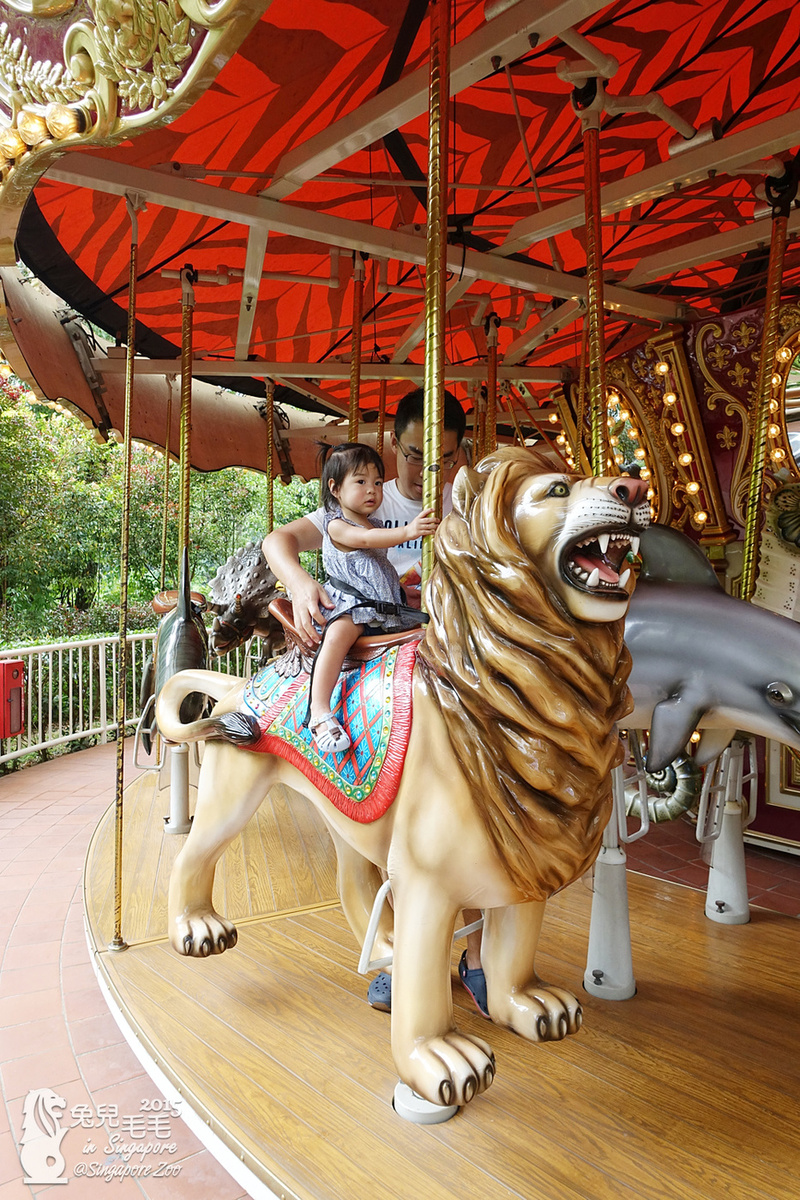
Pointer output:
x,y
677,429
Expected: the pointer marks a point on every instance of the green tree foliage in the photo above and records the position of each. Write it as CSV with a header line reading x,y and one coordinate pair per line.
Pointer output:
x,y
60,520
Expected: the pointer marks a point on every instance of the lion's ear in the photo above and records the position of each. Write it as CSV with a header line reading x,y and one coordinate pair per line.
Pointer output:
x,y
466,486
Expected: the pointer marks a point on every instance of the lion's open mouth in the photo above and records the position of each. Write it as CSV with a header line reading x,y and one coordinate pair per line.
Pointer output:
x,y
596,563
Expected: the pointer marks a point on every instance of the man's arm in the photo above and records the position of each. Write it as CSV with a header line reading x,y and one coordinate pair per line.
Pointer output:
x,y
282,550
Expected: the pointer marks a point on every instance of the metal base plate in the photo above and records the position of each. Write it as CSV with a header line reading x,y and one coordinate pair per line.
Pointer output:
x,y
411,1107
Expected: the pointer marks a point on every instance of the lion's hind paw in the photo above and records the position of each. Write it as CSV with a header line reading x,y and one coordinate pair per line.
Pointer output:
x,y
449,1070
200,935
539,1013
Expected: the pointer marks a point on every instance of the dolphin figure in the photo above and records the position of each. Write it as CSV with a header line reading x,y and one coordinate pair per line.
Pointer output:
x,y
703,659
181,644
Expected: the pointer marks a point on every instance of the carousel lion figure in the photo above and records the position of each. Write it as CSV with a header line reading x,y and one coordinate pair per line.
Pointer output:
x,y
504,791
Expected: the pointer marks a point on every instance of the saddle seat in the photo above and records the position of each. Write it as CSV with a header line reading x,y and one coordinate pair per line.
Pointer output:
x,y
363,649
164,602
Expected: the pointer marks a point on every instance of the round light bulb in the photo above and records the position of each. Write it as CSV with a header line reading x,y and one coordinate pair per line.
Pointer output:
x,y
553,418
693,488
614,441
640,453
670,398
650,494
624,415
701,517
5,370
562,441
773,406
773,430
613,397
662,368
644,473
784,354
695,738
684,459
677,428
778,454
776,380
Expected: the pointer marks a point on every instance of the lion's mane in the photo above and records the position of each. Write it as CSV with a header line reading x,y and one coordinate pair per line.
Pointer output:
x,y
529,694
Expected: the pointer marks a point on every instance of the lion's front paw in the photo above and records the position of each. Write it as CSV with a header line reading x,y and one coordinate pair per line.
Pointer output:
x,y
448,1070
200,934
539,1013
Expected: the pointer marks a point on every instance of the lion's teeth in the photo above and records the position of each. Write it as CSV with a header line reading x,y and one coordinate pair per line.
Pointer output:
x,y
634,545
593,579
602,540
624,577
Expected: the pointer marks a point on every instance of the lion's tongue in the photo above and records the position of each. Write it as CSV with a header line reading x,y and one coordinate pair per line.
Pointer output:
x,y
607,571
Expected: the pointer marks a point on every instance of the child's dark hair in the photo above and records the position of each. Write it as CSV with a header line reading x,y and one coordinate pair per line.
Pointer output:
x,y
337,462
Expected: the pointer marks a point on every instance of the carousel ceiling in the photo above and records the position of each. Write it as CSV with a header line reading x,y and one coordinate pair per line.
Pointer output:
x,y
308,155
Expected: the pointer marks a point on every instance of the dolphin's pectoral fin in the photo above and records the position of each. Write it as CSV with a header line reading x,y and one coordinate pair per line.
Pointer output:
x,y
672,724
711,745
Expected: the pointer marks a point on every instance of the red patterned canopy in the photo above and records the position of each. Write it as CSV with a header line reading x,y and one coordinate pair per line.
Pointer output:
x,y
319,113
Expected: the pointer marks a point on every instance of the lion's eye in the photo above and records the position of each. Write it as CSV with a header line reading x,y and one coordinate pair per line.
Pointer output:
x,y
559,489
779,694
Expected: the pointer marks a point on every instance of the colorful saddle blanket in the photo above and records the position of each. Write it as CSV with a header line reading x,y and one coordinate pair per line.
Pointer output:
x,y
373,703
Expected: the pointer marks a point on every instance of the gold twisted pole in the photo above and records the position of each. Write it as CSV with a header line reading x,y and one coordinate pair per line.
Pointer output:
x,y
133,203
781,197
436,266
490,430
187,314
381,417
164,515
269,417
355,353
594,297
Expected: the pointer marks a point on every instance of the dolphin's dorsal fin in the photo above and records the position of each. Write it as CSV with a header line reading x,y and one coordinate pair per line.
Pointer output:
x,y
184,605
668,556
672,724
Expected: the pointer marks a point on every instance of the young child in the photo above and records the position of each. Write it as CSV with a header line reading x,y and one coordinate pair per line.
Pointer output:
x,y
354,555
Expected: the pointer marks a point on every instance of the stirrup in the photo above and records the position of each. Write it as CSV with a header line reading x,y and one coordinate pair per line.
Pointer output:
x,y
329,741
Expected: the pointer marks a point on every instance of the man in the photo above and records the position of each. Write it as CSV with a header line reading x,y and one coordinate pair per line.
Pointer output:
x,y
402,501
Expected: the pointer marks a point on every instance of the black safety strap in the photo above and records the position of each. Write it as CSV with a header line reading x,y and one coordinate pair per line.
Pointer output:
x,y
386,608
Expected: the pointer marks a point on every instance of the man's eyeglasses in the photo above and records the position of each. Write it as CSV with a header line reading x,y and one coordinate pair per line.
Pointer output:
x,y
415,459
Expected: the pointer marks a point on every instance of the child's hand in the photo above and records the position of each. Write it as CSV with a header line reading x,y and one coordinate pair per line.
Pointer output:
x,y
423,524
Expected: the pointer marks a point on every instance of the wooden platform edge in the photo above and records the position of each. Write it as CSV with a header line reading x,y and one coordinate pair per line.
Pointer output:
x,y
243,1166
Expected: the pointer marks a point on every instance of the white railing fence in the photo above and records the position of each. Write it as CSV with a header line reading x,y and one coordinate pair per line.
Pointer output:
x,y
71,689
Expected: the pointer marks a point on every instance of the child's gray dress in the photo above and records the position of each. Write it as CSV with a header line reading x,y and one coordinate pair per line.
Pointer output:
x,y
370,572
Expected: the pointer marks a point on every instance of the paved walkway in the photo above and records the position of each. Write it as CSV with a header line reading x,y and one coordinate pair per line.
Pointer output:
x,y
55,1028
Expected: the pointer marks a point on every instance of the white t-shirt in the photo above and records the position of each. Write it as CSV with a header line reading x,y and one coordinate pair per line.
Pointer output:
x,y
395,510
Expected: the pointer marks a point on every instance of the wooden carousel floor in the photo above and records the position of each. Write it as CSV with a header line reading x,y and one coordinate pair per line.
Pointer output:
x,y
687,1092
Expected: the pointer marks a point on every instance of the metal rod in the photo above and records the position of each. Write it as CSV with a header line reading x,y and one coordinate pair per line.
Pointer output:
x,y
355,352
187,315
555,257
594,298
769,344
117,942
381,416
269,417
490,428
436,266
165,506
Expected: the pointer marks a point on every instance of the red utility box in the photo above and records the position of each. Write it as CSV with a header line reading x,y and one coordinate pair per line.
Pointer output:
x,y
12,679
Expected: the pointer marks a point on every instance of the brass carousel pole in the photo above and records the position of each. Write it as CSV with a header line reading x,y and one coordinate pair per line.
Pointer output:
x,y
269,417
355,353
381,417
587,102
117,943
170,381
781,194
188,278
436,266
490,429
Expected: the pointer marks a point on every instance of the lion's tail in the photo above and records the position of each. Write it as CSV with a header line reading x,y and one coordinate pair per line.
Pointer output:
x,y
175,691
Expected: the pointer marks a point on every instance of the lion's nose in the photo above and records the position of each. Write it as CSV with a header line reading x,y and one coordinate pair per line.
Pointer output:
x,y
629,491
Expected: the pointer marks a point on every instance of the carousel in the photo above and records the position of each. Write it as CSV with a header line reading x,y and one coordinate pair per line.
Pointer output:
x,y
579,219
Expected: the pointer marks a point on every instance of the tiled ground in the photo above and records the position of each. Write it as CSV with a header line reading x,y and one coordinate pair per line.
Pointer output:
x,y
55,1029
671,851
